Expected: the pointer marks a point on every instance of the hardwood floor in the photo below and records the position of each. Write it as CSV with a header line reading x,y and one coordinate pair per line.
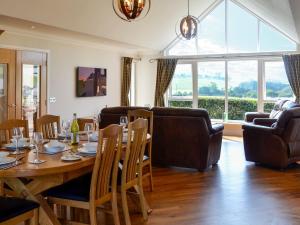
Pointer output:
x,y
233,193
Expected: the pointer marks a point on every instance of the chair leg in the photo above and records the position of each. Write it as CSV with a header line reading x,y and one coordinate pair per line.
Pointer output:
x,y
151,179
143,204
114,204
125,207
35,219
93,215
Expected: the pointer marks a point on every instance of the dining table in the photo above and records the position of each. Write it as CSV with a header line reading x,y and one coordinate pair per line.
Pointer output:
x,y
41,177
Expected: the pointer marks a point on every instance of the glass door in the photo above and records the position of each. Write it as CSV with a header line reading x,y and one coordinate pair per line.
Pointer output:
x,y
30,93
3,93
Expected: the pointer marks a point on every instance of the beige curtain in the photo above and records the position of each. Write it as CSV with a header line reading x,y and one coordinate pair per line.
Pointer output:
x,y
292,67
165,72
126,80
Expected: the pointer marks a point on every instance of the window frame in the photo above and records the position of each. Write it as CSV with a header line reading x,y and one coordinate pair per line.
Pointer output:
x,y
260,79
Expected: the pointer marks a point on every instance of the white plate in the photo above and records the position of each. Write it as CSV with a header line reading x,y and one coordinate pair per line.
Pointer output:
x,y
87,151
70,157
7,160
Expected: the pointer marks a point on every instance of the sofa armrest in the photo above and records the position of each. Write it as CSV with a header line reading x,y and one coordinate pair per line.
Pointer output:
x,y
217,128
264,121
258,129
250,116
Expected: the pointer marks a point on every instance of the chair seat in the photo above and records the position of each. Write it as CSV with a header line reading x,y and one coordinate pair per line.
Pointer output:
x,y
12,207
77,189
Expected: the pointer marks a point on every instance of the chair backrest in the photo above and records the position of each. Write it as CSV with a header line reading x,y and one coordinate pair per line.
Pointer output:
x,y
142,113
135,149
105,172
6,129
82,122
49,125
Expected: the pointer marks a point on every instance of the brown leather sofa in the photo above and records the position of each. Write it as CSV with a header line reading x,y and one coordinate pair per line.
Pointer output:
x,y
181,137
267,119
275,146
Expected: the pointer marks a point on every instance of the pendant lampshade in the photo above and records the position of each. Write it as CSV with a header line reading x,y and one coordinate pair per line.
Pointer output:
x,y
130,10
188,26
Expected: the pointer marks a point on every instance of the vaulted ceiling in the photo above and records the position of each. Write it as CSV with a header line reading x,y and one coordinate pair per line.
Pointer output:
x,y
156,31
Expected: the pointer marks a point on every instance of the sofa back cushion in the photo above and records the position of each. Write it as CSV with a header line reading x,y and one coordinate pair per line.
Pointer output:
x,y
112,115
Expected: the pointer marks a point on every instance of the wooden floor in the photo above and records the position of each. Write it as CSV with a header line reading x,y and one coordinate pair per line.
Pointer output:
x,y
233,193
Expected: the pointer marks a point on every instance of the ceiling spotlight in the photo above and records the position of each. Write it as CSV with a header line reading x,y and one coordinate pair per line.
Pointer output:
x,y
130,10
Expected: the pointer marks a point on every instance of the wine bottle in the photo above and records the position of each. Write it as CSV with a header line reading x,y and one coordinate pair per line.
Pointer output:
x,y
74,131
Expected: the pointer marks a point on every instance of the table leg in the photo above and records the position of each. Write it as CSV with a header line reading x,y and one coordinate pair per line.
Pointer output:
x,y
46,216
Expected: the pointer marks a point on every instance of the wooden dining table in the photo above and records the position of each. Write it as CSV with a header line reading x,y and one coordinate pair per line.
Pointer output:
x,y
42,177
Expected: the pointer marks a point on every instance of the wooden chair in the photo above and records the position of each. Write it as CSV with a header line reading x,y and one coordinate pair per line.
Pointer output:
x,y
91,193
6,129
49,125
147,163
14,211
83,121
131,169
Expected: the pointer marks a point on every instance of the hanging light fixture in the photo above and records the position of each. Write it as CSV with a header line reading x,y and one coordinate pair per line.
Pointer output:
x,y
130,10
188,26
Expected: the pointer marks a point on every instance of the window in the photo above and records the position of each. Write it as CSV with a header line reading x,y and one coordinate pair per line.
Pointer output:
x,y
211,38
228,89
211,87
242,30
229,28
245,72
276,84
181,89
242,88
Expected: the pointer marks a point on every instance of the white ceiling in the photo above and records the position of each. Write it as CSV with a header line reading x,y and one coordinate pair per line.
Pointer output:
x,y
156,31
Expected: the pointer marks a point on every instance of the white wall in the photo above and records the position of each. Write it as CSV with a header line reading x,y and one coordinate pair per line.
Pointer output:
x,y
63,60
145,81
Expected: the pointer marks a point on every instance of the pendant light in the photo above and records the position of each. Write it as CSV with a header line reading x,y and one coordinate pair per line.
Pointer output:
x,y
130,10
188,26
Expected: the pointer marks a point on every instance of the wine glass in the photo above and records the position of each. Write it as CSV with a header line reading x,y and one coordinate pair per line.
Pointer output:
x,y
123,121
88,128
66,124
38,142
96,120
17,135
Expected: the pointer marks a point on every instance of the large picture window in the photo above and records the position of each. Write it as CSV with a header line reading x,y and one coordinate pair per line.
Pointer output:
x,y
234,66
228,89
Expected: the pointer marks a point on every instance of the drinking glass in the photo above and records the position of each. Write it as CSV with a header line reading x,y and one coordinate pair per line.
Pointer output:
x,y
17,135
38,142
96,120
66,124
123,121
88,128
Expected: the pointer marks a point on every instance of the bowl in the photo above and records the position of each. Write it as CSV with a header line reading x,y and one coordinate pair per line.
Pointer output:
x,y
4,154
91,146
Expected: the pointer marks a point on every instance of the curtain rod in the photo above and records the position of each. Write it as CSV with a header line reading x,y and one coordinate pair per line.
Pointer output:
x,y
220,57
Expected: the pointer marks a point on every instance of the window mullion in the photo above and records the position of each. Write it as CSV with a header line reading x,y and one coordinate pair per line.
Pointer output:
x,y
195,84
226,92
260,86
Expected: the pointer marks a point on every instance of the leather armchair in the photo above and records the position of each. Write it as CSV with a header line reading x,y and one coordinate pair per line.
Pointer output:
x,y
185,138
268,119
276,146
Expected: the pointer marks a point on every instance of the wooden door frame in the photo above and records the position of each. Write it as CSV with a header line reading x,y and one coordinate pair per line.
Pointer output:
x,y
8,56
35,58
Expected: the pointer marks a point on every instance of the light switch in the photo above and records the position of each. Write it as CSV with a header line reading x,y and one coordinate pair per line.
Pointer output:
x,y
52,99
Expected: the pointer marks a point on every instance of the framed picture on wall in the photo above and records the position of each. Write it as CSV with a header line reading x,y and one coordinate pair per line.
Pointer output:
x,y
91,82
